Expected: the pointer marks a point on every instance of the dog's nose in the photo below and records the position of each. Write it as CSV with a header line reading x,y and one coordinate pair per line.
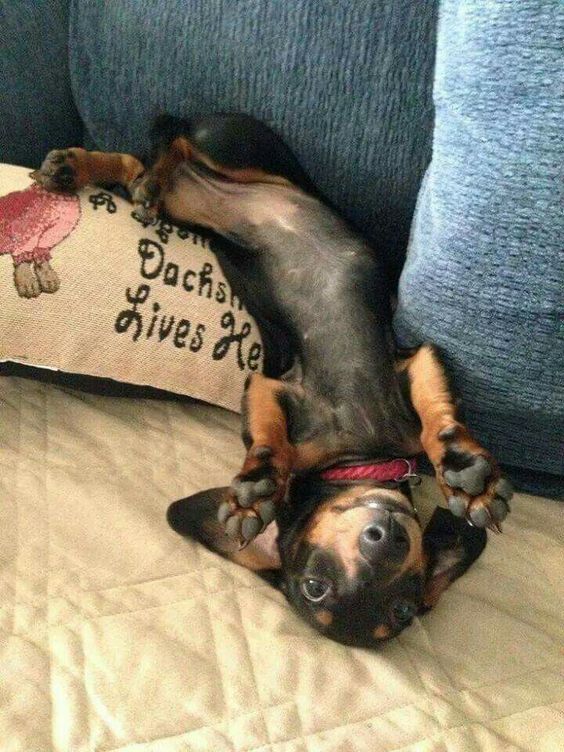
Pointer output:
x,y
384,538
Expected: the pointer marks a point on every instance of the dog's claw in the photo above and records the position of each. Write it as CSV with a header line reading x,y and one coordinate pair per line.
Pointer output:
x,y
480,517
145,215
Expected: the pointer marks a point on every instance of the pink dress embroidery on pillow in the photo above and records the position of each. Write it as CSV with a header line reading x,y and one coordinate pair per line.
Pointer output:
x,y
32,222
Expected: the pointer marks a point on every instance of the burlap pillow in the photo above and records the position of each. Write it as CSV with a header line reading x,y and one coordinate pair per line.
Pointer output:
x,y
91,291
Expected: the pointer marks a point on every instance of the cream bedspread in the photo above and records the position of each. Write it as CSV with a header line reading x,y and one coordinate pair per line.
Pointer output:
x,y
116,634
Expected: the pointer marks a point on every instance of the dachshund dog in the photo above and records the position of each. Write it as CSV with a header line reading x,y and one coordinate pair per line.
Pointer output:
x,y
322,504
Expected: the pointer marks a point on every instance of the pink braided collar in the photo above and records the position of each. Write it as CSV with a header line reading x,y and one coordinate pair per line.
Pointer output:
x,y
383,471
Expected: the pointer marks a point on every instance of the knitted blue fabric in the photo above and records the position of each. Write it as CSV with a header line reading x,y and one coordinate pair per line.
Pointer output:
x,y
348,84
484,278
37,111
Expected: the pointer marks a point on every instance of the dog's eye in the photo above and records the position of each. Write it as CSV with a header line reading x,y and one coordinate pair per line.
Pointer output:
x,y
403,611
315,590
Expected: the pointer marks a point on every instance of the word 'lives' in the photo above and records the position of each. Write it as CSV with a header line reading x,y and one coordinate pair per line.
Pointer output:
x,y
144,318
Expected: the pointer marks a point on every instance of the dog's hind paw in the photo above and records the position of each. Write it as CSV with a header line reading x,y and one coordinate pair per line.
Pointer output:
x,y
472,482
146,197
58,172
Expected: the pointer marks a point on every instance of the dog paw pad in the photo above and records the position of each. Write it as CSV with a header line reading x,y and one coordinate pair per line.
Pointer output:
x,y
457,506
471,479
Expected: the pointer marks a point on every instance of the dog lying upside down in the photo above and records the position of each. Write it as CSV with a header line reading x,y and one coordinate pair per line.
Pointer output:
x,y
322,504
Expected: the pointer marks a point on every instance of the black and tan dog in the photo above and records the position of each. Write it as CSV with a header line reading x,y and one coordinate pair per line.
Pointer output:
x,y
329,428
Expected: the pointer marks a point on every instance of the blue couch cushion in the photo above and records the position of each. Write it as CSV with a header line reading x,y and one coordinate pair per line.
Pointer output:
x,y
37,112
348,84
484,278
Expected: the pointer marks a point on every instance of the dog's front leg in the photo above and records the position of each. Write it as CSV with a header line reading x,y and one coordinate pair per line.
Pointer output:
x,y
262,480
467,474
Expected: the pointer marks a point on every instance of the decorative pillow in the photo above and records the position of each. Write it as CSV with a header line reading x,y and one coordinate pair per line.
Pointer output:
x,y
94,292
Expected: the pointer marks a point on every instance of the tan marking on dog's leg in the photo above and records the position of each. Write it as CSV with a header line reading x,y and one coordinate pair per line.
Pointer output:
x,y
432,400
95,167
262,481
471,490
162,171
434,403
266,424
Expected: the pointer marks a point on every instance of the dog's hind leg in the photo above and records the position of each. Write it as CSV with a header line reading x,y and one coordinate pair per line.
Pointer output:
x,y
466,472
70,169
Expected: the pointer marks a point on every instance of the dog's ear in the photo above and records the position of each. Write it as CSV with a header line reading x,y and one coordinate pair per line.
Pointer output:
x,y
196,517
451,546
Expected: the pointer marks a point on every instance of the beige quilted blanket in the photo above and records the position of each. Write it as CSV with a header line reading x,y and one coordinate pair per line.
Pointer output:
x,y
117,635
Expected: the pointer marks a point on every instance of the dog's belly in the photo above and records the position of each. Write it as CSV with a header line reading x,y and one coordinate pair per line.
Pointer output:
x,y
306,269
311,263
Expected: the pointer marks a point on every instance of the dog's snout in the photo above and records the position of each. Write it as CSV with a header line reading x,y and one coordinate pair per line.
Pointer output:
x,y
383,538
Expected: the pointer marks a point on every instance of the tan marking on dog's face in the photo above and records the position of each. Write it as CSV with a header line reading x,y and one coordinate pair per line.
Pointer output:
x,y
339,532
415,561
324,617
383,632
435,588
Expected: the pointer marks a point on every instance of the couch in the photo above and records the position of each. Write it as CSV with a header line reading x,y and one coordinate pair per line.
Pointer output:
x,y
117,635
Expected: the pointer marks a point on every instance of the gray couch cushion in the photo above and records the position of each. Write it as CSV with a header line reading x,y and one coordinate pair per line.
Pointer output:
x,y
484,277
348,85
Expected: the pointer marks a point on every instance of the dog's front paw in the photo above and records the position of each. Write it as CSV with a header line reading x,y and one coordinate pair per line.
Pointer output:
x,y
471,480
253,495
59,171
